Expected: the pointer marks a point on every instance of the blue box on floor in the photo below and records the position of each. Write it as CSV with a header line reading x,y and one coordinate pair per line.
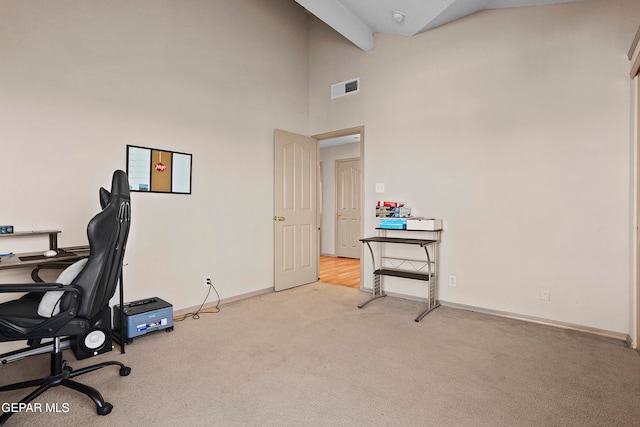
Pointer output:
x,y
144,316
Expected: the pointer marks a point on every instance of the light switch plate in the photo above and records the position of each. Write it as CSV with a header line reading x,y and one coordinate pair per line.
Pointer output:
x,y
380,187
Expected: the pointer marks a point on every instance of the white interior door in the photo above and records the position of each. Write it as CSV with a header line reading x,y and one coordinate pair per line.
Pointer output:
x,y
636,308
348,216
295,210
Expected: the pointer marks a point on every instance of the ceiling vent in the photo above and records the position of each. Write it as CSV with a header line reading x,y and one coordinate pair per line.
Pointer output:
x,y
345,88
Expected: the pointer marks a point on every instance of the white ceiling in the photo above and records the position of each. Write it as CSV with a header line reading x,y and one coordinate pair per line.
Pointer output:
x,y
340,140
357,20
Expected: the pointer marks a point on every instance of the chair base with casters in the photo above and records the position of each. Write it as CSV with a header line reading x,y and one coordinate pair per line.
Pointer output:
x,y
61,375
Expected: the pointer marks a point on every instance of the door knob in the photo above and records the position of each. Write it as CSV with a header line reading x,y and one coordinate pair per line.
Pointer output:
x,y
339,214
278,218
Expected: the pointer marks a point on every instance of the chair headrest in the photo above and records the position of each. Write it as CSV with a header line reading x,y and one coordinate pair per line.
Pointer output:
x,y
104,197
119,188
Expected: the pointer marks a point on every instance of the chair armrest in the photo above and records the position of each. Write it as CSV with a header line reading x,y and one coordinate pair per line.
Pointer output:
x,y
36,287
49,326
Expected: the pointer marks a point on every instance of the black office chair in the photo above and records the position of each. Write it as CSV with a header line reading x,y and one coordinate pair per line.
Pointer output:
x,y
82,304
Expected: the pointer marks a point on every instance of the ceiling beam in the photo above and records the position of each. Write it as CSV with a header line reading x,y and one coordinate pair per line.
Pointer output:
x,y
357,20
455,10
342,20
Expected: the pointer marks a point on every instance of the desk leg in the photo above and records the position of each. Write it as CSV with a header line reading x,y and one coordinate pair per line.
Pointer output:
x,y
433,274
427,311
377,285
377,291
53,241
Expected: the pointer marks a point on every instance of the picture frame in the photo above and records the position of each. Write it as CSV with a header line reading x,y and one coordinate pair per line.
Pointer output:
x,y
153,170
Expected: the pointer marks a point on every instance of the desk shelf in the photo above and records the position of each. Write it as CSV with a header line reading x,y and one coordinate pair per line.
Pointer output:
x,y
53,236
420,269
31,233
403,273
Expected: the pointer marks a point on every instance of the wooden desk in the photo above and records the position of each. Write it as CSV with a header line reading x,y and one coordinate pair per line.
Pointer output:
x,y
37,261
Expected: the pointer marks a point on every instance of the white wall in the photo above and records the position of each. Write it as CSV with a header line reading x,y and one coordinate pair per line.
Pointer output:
x,y
328,157
633,217
513,126
81,79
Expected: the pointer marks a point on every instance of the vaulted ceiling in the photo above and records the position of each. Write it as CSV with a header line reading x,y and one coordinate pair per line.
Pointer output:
x,y
357,20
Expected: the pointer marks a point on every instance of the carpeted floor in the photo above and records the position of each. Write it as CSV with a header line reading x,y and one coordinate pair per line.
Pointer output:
x,y
309,357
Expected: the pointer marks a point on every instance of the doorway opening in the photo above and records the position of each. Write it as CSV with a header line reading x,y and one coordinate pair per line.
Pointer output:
x,y
340,271
340,203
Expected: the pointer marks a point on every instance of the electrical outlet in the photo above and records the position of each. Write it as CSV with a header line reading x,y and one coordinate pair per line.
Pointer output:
x,y
453,281
545,294
207,281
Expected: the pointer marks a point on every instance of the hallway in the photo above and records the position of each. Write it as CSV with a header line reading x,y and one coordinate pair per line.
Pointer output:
x,y
340,271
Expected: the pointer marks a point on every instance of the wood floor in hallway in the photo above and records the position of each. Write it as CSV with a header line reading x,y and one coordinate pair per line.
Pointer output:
x,y
340,271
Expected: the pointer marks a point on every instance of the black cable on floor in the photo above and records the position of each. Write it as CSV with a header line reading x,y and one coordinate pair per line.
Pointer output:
x,y
199,311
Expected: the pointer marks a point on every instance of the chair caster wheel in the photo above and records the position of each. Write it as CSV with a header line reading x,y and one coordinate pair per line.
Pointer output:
x,y
105,409
125,371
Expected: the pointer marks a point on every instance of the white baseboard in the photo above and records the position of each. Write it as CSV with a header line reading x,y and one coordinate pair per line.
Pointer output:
x,y
563,325
631,344
180,313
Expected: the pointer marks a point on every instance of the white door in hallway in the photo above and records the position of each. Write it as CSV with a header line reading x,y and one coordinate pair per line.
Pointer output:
x,y
295,210
348,216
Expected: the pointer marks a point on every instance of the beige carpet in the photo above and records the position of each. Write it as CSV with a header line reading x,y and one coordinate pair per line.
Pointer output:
x,y
309,357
